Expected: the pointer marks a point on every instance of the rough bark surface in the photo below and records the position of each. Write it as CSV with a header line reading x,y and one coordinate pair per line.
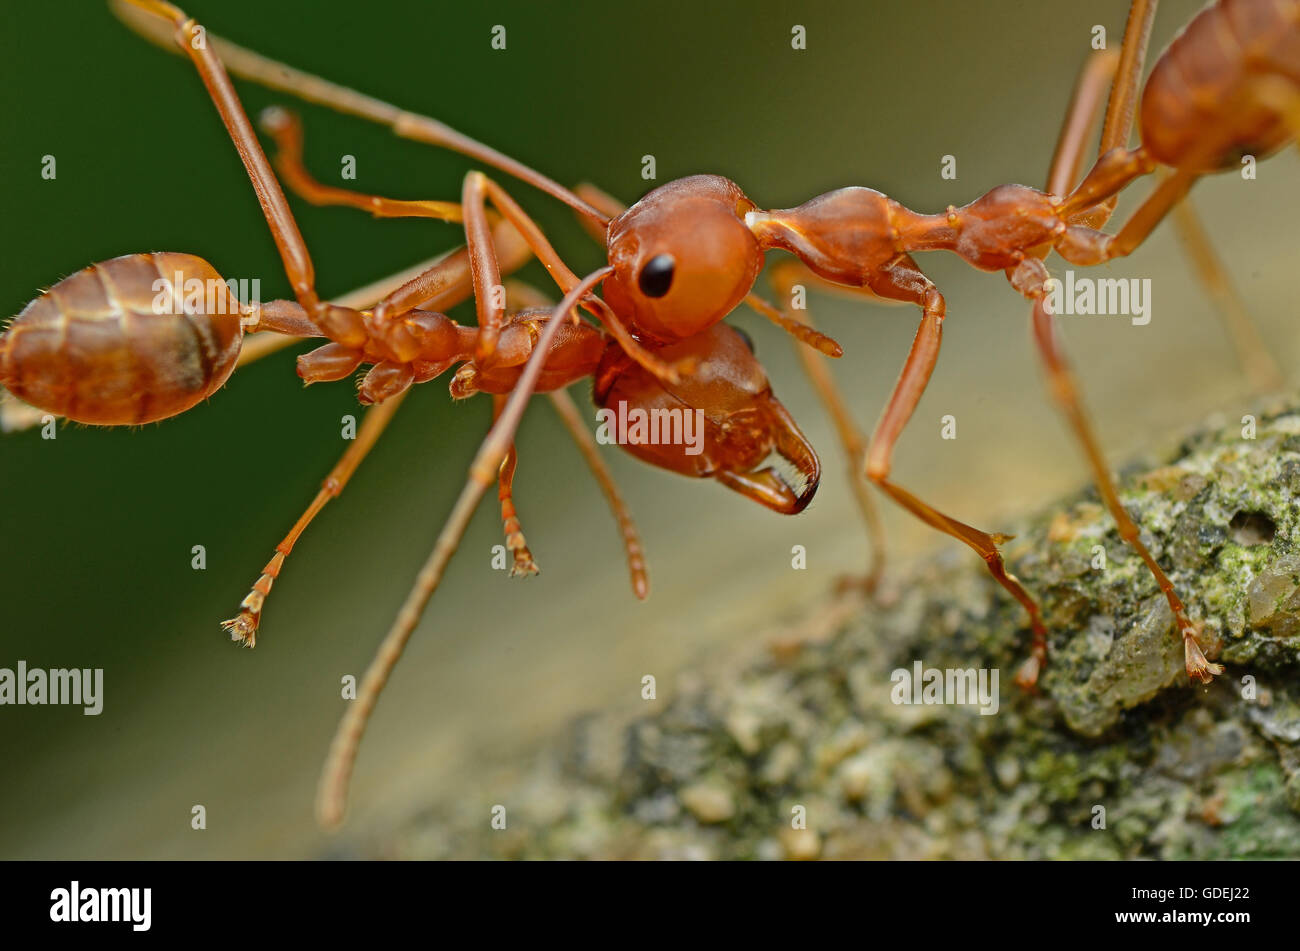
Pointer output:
x,y
808,724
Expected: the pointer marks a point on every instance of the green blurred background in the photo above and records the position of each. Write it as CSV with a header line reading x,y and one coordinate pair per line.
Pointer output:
x,y
98,525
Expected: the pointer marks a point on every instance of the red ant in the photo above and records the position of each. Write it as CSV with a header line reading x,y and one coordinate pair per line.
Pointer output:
x,y
689,252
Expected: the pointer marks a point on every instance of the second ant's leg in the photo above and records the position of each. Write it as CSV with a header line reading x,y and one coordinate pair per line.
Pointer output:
x,y
1092,201
258,345
479,187
1080,118
635,554
1029,279
1260,367
150,18
286,129
905,282
1081,245
1085,245
564,278
491,248
802,331
337,773
853,442
522,296
244,627
1124,94
521,557
340,324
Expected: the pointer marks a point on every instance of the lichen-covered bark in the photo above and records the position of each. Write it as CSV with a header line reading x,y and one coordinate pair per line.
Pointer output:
x,y
1180,770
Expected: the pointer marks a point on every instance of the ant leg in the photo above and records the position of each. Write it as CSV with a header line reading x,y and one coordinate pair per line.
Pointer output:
x,y
244,627
337,773
802,331
1259,365
1116,165
1086,246
519,297
1082,245
1124,94
490,300
1113,171
852,441
602,201
1028,279
479,187
489,292
341,324
262,344
511,251
1081,116
1171,190
448,281
522,562
1261,369
143,16
904,281
635,554
285,129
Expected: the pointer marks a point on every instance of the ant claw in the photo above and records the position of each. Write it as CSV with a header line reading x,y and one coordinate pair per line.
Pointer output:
x,y
1027,677
275,119
1198,667
242,629
524,565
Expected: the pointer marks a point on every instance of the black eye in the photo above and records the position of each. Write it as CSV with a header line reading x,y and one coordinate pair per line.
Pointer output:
x,y
749,341
657,276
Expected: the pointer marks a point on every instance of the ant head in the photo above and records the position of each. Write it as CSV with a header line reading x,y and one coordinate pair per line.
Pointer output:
x,y
683,257
720,422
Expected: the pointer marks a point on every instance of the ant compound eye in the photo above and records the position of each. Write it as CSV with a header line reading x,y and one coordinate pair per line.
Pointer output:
x,y
749,341
657,276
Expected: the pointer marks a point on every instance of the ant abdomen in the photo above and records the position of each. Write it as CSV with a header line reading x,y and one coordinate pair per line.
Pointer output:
x,y
132,340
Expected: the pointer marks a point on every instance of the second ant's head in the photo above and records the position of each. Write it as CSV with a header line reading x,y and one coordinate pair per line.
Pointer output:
x,y
683,257
738,426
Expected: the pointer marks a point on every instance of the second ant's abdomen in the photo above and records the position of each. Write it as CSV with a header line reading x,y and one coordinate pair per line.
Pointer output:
x,y
1204,82
118,343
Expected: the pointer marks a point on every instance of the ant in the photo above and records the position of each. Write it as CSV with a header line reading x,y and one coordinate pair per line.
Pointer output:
x,y
689,252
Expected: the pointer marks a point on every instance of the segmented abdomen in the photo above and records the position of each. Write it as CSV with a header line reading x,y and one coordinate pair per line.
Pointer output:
x,y
97,347
1207,85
